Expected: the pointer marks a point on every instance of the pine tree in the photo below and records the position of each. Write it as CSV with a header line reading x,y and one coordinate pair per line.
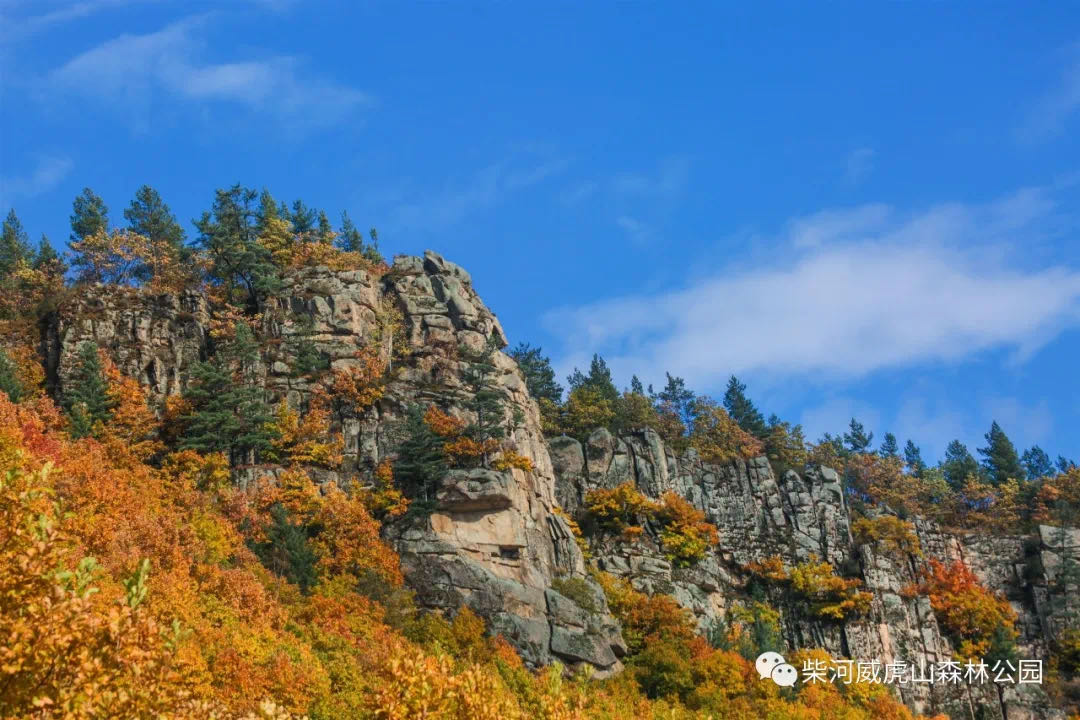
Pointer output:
x,y
46,258
1000,458
85,397
485,399
287,550
913,459
14,245
9,379
149,216
857,440
307,358
324,233
1064,464
889,448
89,215
539,376
303,219
421,462
742,409
1037,463
958,465
636,387
598,379
229,412
239,262
677,398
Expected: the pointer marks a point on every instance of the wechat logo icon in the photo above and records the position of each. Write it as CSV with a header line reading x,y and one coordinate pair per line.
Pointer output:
x,y
772,665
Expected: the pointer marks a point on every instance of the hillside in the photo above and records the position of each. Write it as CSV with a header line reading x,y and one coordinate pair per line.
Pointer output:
x,y
274,476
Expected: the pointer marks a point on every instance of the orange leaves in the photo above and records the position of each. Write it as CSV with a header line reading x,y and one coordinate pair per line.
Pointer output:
x,y
620,507
383,499
114,661
355,388
685,535
969,612
304,442
464,450
129,434
644,616
718,438
443,424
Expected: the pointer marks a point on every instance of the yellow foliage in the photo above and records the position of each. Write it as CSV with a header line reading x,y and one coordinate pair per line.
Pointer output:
x,y
620,507
718,438
889,533
825,594
304,442
586,409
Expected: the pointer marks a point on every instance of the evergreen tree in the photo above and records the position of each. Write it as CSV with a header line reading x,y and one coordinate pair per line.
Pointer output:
x,y
89,215
149,216
350,239
229,412
303,219
9,379
958,465
635,386
421,462
14,245
1037,463
485,399
324,233
539,376
287,550
913,459
1000,458
85,397
46,258
239,262
308,359
598,379
889,448
679,399
742,410
1064,464
857,440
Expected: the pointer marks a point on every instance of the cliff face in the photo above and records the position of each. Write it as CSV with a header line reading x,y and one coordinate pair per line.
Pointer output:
x,y
800,517
495,542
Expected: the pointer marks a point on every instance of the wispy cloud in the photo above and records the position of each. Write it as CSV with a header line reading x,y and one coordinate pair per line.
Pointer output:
x,y
1048,117
458,198
860,163
136,71
666,183
46,174
889,290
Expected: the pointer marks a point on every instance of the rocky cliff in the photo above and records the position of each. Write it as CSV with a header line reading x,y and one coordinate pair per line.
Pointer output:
x,y
495,542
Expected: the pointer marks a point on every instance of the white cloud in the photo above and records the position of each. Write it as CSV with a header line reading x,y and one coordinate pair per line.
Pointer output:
x,y
460,197
829,226
46,175
131,71
873,291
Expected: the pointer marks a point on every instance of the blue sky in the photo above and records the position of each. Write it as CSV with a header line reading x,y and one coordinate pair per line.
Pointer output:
x,y
859,208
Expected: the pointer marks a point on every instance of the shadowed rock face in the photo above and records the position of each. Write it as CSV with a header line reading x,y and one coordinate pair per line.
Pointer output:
x,y
494,542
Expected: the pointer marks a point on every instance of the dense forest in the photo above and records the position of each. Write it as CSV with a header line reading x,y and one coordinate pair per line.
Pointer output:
x,y
138,578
